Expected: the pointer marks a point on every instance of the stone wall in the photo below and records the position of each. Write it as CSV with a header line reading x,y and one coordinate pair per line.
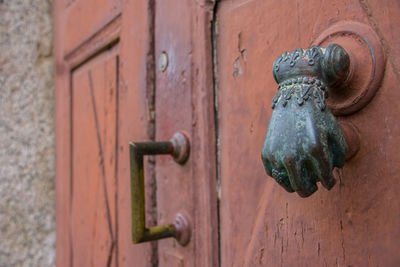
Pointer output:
x,y
27,227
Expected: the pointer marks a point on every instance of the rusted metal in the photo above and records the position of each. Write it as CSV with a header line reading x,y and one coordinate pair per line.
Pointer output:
x,y
304,141
178,147
181,147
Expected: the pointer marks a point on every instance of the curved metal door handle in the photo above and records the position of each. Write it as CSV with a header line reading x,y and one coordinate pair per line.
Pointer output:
x,y
304,142
179,148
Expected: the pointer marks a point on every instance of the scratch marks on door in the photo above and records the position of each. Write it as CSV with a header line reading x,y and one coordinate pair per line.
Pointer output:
x,y
241,59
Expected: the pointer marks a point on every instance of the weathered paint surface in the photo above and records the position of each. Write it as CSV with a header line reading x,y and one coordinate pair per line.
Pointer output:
x,y
109,92
260,224
101,58
356,223
184,101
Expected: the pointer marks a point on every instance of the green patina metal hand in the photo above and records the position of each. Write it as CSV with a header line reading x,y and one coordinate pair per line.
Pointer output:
x,y
304,141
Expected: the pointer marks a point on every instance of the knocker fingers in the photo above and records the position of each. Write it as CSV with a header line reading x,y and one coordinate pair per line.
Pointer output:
x,y
278,173
322,168
282,179
337,147
301,177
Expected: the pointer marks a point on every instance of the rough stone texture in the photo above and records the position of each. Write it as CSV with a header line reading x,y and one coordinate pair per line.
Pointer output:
x,y
27,226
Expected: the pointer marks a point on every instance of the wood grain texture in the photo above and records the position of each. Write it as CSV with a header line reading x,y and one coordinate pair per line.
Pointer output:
x,y
184,101
354,224
101,55
83,18
93,191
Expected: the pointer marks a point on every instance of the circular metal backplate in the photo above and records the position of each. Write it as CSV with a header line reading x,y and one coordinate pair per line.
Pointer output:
x,y
367,65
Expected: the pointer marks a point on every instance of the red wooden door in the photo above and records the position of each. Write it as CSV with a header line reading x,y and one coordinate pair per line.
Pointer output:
x,y
92,100
143,70
357,222
184,101
109,92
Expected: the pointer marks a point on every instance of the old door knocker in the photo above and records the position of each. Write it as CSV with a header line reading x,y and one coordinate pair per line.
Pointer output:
x,y
304,141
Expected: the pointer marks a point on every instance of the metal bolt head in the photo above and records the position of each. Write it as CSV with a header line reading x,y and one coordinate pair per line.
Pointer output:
x,y
181,144
183,229
163,61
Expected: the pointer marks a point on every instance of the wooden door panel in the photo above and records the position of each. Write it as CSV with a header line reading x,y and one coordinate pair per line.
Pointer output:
x,y
102,53
383,16
174,113
184,101
84,17
263,225
94,151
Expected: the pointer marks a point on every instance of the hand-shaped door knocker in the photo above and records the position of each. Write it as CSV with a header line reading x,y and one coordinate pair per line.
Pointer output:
x,y
304,141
